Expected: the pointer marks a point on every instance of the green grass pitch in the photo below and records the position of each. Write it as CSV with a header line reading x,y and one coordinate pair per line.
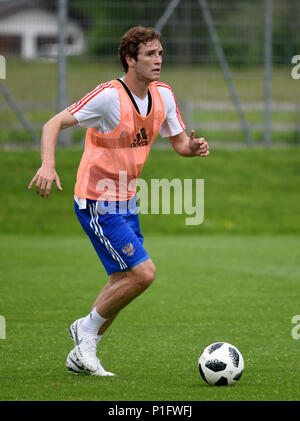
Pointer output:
x,y
234,278
240,289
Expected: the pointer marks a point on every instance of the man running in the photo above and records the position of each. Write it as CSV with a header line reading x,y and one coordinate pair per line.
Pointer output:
x,y
122,118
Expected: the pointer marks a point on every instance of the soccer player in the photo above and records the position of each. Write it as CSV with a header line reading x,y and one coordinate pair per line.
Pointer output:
x,y
122,118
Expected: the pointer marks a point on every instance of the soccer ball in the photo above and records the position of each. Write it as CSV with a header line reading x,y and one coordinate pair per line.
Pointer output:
x,y
221,364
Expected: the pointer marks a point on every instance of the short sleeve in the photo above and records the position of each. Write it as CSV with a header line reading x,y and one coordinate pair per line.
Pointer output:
x,y
90,110
173,123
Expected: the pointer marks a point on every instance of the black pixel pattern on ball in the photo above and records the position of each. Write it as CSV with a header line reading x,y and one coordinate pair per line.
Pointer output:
x,y
215,365
222,382
234,356
202,374
215,346
238,376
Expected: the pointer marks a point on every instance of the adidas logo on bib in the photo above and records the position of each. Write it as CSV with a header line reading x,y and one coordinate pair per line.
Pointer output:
x,y
141,139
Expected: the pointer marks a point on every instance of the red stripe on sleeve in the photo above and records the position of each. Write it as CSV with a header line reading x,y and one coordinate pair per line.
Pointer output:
x,y
180,120
79,104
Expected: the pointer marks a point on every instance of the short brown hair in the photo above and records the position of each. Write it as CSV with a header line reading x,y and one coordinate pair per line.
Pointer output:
x,y
130,41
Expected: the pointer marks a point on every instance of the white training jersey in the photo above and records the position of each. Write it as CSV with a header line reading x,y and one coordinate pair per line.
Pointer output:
x,y
100,109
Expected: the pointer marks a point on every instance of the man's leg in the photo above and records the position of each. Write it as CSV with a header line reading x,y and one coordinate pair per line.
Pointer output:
x,y
118,242
122,290
119,291
105,326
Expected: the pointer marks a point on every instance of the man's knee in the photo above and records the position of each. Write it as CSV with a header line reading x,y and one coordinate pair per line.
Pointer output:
x,y
143,274
149,274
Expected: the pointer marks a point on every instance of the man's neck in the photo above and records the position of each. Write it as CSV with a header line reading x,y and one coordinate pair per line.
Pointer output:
x,y
137,86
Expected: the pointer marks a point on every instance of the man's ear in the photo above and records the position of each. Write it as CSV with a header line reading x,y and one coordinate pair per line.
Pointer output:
x,y
130,60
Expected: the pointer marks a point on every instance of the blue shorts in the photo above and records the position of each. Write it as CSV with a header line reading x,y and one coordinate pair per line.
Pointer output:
x,y
114,232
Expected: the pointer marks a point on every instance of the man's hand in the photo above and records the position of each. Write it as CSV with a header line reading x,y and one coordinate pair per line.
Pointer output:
x,y
198,146
45,176
43,180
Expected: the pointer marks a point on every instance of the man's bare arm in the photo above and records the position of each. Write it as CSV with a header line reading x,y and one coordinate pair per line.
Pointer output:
x,y
46,174
189,146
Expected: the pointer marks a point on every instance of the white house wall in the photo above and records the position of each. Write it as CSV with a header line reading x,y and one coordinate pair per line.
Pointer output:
x,y
32,23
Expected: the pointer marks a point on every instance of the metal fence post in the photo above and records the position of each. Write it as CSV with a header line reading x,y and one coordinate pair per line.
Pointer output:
x,y
268,71
19,113
64,138
166,15
225,68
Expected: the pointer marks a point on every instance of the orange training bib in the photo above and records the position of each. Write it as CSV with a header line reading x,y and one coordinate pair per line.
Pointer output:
x,y
112,162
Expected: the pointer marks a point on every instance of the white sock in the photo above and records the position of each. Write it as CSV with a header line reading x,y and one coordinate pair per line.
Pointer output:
x,y
92,323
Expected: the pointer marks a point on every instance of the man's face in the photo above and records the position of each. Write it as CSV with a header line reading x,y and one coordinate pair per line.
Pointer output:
x,y
149,60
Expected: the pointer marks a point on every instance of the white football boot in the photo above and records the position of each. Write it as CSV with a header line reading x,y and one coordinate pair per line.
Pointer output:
x,y
75,366
83,357
74,329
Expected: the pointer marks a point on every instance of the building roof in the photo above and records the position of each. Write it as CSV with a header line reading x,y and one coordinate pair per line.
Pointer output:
x,y
10,7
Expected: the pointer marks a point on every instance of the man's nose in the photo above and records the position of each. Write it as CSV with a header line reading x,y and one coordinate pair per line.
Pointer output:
x,y
158,58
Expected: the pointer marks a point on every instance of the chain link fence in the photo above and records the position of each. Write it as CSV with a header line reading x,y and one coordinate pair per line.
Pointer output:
x,y
229,63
